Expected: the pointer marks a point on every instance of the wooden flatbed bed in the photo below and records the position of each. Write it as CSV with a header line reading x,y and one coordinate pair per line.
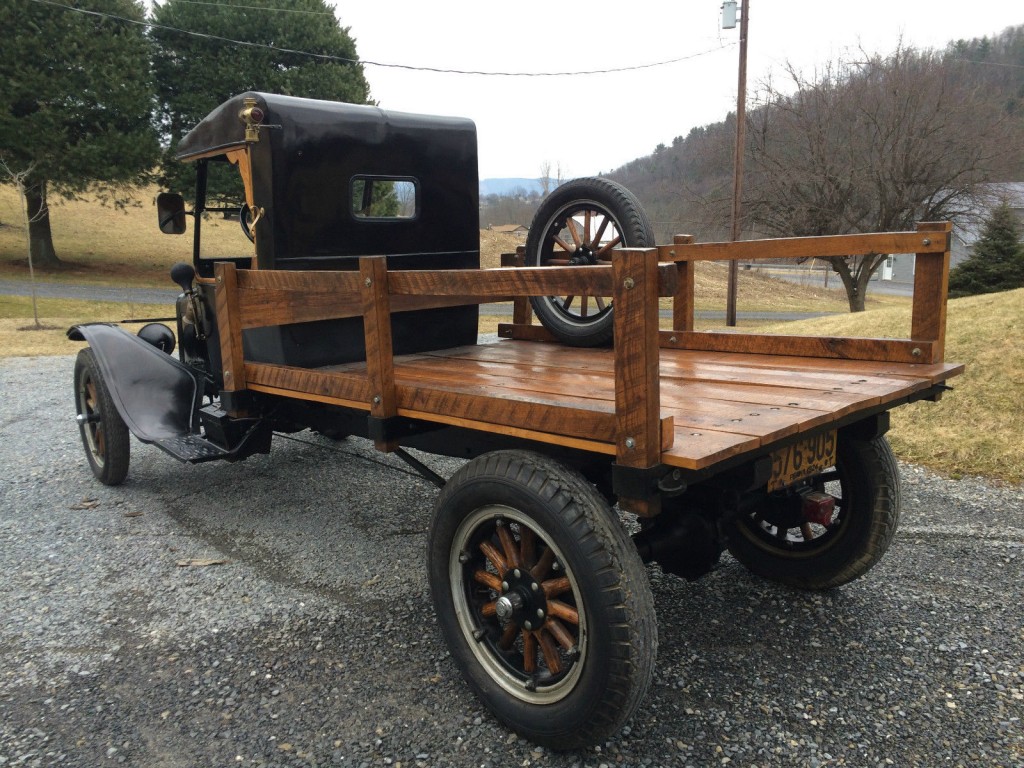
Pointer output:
x,y
694,401
721,404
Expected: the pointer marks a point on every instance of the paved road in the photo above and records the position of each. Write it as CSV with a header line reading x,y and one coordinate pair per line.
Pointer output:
x,y
801,276
314,643
158,296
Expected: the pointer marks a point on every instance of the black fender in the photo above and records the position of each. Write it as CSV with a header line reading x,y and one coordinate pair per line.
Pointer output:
x,y
156,395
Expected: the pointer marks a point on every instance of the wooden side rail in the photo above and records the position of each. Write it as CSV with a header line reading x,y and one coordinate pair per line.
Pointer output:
x,y
252,299
926,239
930,242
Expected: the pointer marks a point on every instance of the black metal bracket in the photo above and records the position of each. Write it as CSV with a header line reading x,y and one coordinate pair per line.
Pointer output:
x,y
869,428
237,400
396,428
647,482
426,472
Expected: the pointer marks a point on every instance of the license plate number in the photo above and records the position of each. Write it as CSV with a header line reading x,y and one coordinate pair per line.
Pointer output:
x,y
806,458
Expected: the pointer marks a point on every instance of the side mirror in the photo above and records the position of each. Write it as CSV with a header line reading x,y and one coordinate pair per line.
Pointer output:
x,y
170,209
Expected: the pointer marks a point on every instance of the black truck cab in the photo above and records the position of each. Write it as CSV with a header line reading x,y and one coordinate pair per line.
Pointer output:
x,y
327,182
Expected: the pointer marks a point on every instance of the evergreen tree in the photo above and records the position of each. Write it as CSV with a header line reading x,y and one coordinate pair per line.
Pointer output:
x,y
75,106
195,74
997,262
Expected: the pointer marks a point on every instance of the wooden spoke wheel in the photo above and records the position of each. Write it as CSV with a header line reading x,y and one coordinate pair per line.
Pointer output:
x,y
580,224
104,433
542,599
781,541
515,590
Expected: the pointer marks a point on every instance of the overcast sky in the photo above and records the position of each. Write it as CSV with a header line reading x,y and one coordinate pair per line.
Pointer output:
x,y
594,123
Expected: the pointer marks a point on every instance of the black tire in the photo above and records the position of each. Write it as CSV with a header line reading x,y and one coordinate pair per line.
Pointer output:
x,y
104,433
576,683
612,216
866,485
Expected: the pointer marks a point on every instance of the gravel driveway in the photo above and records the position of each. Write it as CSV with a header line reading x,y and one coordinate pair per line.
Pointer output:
x,y
314,644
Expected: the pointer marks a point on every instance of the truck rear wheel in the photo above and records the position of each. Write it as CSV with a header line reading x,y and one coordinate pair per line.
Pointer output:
x,y
824,554
542,599
578,225
104,433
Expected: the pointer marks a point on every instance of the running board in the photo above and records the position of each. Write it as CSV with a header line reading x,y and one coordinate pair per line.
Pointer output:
x,y
192,449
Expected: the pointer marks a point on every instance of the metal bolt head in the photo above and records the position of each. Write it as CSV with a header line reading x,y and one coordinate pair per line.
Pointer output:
x,y
629,283
516,573
504,586
535,587
504,608
527,625
916,351
540,613
926,241
630,443
376,399
368,282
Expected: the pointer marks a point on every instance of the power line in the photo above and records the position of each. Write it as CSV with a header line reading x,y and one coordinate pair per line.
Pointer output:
x,y
989,63
257,7
388,65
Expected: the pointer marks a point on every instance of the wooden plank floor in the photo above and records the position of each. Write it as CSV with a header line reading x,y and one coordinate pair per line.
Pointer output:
x,y
722,404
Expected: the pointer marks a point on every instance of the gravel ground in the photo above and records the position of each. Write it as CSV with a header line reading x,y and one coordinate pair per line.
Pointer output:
x,y
315,644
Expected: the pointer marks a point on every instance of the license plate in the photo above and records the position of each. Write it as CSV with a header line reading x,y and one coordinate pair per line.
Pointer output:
x,y
806,458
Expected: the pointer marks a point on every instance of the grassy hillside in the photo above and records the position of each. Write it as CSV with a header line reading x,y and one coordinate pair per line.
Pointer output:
x,y
124,247
977,428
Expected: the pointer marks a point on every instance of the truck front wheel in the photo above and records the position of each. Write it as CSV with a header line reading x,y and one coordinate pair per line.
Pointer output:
x,y
542,599
822,554
104,433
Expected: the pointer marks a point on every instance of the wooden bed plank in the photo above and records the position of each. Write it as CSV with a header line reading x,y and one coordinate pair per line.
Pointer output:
x,y
733,369
560,356
330,385
771,422
934,372
594,423
700,448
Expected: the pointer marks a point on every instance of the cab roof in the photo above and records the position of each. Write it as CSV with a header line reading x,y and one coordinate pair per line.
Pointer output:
x,y
299,119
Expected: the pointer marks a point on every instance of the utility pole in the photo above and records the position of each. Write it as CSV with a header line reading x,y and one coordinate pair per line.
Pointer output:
x,y
741,135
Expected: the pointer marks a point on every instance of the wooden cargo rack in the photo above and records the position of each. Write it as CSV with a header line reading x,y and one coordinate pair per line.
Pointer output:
x,y
679,398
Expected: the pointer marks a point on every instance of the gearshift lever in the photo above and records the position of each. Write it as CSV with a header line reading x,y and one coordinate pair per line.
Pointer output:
x,y
183,274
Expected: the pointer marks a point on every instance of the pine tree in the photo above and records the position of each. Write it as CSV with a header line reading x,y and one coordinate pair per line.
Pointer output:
x,y
196,74
997,262
75,106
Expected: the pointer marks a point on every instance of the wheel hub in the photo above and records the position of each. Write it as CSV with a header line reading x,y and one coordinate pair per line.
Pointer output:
x,y
522,599
583,255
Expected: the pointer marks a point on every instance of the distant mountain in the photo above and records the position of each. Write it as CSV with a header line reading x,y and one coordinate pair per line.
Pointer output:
x,y
507,186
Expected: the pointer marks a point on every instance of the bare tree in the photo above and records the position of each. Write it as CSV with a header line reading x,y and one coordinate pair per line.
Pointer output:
x,y
545,178
871,145
20,180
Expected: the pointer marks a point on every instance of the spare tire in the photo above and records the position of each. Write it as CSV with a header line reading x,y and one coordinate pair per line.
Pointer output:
x,y
578,225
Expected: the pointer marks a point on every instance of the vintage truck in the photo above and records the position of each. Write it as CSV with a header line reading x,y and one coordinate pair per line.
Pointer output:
x,y
352,310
